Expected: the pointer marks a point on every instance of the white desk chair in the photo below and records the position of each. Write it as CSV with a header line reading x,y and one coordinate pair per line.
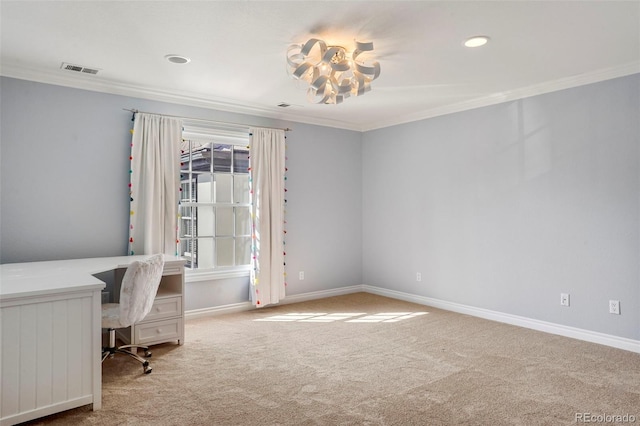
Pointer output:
x,y
137,293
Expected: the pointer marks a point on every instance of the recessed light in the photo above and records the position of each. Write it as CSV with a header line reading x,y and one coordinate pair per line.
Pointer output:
x,y
177,59
476,41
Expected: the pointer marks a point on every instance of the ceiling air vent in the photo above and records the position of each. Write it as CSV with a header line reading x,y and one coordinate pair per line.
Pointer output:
x,y
78,68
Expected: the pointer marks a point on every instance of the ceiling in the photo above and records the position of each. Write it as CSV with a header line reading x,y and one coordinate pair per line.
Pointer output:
x,y
238,51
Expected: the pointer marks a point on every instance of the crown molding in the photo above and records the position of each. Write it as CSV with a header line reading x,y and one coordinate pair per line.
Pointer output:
x,y
190,99
91,83
512,95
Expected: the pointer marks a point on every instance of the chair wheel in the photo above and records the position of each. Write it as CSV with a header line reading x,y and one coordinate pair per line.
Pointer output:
x,y
148,370
147,354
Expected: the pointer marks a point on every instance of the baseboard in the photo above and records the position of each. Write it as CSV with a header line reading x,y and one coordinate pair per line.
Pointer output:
x,y
218,310
322,294
246,306
547,327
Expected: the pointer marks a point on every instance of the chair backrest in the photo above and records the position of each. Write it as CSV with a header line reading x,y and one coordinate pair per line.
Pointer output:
x,y
139,287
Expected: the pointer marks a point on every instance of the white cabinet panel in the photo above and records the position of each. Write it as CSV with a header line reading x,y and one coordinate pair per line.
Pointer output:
x,y
47,355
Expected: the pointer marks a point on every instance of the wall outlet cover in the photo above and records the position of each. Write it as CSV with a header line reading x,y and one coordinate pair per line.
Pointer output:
x,y
614,307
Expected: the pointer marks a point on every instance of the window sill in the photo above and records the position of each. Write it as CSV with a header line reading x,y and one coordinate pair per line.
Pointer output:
x,y
198,276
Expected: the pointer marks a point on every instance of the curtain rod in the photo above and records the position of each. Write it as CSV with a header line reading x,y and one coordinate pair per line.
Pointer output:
x,y
134,111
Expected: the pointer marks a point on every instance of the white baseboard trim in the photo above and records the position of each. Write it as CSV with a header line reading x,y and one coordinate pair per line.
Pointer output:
x,y
547,327
218,310
247,306
322,294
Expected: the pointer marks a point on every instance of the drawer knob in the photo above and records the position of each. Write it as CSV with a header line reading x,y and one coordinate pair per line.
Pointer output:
x,y
159,330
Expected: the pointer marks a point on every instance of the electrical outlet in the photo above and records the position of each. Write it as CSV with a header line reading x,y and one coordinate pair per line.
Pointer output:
x,y
301,275
614,307
564,299
418,276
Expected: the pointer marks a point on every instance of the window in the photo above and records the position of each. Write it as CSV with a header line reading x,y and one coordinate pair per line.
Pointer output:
x,y
215,215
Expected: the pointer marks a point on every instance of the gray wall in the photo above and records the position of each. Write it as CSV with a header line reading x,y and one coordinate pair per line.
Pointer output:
x,y
506,207
502,208
64,157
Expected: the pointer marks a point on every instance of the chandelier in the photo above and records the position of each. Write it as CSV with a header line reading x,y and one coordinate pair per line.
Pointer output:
x,y
333,74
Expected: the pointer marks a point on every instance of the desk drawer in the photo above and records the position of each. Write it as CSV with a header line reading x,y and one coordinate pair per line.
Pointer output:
x,y
158,331
172,269
165,308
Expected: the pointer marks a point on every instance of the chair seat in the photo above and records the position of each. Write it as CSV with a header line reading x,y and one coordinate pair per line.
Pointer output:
x,y
111,315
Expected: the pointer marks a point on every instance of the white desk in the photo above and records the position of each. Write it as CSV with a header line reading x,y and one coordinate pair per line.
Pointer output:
x,y
50,332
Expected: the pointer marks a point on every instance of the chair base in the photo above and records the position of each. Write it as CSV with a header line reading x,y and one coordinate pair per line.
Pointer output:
x,y
112,349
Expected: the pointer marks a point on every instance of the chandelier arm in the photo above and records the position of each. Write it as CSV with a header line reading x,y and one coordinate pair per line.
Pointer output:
x,y
314,97
372,71
292,48
320,82
329,54
341,66
330,95
363,46
376,66
360,90
344,86
295,60
306,49
292,63
301,69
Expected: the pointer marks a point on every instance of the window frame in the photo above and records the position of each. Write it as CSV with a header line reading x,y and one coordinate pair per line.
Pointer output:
x,y
234,139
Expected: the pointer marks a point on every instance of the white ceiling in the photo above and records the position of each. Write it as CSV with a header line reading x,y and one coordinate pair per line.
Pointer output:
x,y
238,51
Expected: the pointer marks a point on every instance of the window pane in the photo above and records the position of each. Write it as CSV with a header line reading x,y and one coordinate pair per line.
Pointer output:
x,y
222,158
203,193
187,221
205,253
201,158
223,188
243,251
241,189
240,160
205,221
224,254
187,251
187,192
243,221
224,221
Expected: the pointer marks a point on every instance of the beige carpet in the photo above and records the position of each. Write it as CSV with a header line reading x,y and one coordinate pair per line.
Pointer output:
x,y
360,367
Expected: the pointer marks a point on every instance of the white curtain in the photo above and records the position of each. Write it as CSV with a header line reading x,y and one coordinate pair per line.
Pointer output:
x,y
267,174
155,184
